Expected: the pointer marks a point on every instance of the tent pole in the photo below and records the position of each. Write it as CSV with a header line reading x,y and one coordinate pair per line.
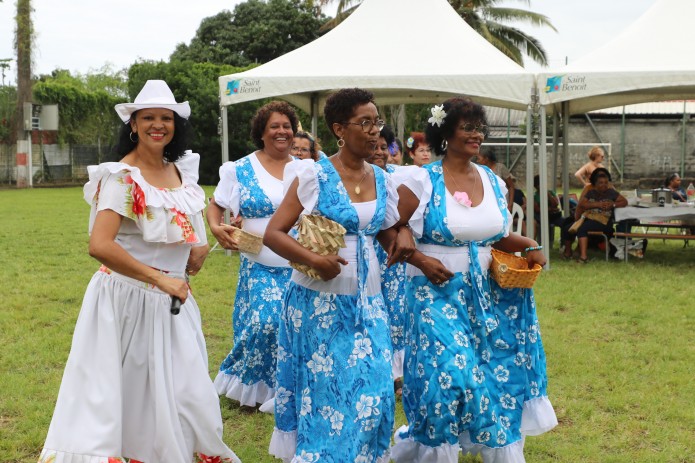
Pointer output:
x,y
622,144
314,114
225,134
528,213
543,188
556,132
683,140
225,155
565,157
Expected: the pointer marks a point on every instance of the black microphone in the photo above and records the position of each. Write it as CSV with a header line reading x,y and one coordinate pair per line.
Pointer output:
x,y
175,305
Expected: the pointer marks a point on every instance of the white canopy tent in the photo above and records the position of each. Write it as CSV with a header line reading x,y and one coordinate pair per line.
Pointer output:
x,y
651,60
444,57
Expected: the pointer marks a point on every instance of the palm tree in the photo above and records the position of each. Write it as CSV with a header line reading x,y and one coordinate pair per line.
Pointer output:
x,y
485,18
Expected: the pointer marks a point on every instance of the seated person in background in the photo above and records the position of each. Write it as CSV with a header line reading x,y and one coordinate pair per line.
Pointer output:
x,y
596,157
520,199
596,206
673,183
554,211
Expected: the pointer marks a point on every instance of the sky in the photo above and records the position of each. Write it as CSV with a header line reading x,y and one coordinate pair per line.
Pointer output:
x,y
86,35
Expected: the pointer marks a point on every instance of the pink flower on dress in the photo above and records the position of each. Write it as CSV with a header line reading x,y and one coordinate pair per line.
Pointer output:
x,y
462,198
139,204
184,223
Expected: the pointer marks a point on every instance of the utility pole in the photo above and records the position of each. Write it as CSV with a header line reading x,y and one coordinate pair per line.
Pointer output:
x,y
23,41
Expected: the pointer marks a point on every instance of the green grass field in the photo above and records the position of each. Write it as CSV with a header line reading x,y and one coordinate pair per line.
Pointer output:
x,y
618,338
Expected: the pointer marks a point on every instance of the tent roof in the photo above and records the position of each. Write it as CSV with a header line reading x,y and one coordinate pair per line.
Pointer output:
x,y
651,60
442,57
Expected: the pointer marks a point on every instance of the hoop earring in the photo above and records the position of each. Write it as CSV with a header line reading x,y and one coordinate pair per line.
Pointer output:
x,y
445,145
341,143
130,135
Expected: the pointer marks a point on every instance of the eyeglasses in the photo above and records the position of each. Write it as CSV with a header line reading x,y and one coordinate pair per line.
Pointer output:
x,y
480,128
295,149
367,125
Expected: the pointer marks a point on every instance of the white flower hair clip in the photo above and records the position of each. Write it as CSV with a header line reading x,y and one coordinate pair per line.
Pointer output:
x,y
438,115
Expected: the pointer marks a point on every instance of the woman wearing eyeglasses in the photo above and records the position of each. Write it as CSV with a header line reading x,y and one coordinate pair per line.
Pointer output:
x,y
251,188
474,362
335,398
305,146
418,149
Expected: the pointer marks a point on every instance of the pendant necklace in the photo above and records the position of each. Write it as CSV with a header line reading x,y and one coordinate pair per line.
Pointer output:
x,y
357,188
458,188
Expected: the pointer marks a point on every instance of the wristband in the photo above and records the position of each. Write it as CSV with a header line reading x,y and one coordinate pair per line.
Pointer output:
x,y
533,248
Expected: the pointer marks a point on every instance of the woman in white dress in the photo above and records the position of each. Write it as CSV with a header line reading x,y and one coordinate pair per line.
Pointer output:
x,y
251,188
136,386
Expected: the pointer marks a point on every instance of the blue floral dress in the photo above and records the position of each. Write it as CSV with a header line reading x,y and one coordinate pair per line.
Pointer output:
x,y
393,289
335,400
475,375
247,374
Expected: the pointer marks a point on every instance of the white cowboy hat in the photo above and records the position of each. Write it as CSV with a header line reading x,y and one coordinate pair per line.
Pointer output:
x,y
155,94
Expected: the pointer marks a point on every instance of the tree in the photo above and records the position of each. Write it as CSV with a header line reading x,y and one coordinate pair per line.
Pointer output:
x,y
24,35
85,103
486,19
256,32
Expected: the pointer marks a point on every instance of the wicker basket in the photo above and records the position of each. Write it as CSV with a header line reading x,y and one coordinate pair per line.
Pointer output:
x,y
320,235
510,271
248,242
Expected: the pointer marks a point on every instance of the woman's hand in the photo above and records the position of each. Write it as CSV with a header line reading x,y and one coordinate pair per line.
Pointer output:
x,y
196,259
433,269
223,234
402,248
329,267
535,257
173,286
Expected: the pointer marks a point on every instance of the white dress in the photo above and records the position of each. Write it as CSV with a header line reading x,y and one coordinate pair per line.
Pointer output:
x,y
136,385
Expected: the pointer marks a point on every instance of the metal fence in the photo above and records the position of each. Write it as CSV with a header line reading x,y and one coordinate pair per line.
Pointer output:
x,y
52,164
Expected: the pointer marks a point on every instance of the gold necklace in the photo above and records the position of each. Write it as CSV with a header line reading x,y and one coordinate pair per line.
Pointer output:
x,y
357,188
458,188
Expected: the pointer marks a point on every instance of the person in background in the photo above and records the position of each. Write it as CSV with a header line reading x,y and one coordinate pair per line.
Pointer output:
x,y
335,400
596,157
396,153
597,206
392,277
305,146
520,199
673,183
251,188
136,385
489,159
554,212
475,375
418,149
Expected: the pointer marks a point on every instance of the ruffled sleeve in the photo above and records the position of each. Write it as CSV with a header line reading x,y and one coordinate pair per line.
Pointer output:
x,y
417,180
227,194
162,215
392,216
305,171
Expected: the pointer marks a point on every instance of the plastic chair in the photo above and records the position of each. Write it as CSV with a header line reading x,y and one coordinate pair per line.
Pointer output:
x,y
518,215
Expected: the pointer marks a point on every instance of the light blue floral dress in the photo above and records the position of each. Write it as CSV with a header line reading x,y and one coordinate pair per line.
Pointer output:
x,y
393,289
335,400
247,374
475,374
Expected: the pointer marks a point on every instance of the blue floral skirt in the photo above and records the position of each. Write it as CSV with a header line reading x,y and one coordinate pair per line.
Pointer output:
x,y
472,370
247,374
335,399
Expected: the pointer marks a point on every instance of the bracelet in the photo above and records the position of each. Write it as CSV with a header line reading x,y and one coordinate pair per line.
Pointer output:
x,y
533,248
